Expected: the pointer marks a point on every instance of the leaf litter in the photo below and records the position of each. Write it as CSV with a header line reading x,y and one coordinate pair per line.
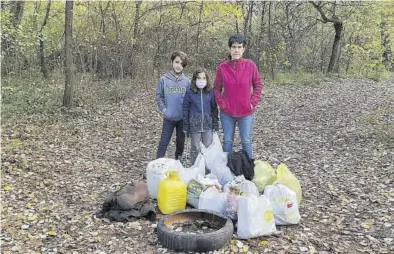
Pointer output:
x,y
336,137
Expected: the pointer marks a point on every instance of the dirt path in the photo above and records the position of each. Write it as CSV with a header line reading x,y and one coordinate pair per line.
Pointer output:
x,y
337,137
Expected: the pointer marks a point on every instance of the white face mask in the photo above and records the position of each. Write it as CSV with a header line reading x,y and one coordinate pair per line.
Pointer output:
x,y
201,83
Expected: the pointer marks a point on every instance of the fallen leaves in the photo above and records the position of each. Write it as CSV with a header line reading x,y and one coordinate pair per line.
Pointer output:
x,y
52,233
57,177
263,243
368,223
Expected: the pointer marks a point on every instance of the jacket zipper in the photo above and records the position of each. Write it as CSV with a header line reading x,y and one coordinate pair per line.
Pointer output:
x,y
236,78
202,112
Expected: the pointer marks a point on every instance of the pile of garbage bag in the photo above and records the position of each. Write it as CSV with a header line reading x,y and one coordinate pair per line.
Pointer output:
x,y
251,193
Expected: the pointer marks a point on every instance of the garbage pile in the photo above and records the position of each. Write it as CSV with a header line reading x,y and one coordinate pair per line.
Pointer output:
x,y
251,193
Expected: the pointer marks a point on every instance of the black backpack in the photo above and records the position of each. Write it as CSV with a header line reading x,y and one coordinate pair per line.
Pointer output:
x,y
240,164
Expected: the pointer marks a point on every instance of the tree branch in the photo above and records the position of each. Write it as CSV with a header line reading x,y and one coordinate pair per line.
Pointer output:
x,y
322,14
46,16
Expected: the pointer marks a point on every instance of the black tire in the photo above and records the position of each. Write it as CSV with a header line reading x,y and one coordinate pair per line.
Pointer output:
x,y
182,241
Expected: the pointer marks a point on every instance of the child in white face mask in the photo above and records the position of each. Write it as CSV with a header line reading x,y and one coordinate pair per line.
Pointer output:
x,y
200,112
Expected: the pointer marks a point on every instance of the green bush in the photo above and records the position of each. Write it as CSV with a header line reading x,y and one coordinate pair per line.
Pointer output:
x,y
29,95
379,75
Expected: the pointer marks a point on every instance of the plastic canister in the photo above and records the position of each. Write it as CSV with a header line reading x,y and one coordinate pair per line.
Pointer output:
x,y
172,194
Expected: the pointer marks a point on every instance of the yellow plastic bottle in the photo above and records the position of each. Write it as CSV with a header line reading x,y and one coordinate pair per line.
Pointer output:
x,y
172,194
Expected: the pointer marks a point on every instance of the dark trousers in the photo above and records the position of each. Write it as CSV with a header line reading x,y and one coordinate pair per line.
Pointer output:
x,y
166,133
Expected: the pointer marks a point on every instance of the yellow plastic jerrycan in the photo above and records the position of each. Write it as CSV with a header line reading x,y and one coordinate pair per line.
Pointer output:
x,y
172,193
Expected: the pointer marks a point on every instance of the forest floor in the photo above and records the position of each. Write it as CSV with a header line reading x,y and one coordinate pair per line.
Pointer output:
x,y
336,136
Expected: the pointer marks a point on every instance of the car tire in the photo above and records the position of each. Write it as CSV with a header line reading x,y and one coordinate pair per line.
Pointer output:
x,y
182,241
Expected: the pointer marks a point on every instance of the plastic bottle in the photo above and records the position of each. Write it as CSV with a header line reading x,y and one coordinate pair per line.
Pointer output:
x,y
172,194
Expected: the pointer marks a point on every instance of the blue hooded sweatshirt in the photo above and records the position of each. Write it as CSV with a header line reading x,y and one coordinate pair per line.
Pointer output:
x,y
169,95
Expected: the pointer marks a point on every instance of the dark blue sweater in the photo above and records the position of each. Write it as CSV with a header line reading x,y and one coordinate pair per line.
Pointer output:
x,y
200,111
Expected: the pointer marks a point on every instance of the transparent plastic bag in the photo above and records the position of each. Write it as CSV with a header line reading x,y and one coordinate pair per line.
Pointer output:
x,y
245,187
264,174
285,177
232,206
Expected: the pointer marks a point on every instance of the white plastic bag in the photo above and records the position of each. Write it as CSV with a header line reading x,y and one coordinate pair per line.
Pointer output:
x,y
255,217
213,200
187,174
245,187
284,204
212,152
220,169
156,171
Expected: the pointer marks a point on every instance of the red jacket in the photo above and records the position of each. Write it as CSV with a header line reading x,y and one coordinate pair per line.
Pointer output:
x,y
233,87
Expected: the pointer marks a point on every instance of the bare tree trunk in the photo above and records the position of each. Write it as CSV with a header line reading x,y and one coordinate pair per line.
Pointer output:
x,y
236,25
103,13
118,27
289,39
183,7
323,50
136,19
349,57
35,25
156,62
18,13
270,54
385,41
199,27
3,5
8,42
336,47
248,29
338,26
136,28
68,55
44,69
260,38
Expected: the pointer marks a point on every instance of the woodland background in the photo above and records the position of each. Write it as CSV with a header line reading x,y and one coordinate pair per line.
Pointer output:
x,y
128,43
79,120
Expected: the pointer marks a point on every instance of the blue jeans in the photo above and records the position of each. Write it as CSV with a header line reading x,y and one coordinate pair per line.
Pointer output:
x,y
245,125
166,133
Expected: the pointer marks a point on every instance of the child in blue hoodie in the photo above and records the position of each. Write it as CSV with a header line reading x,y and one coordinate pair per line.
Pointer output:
x,y
169,98
200,112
